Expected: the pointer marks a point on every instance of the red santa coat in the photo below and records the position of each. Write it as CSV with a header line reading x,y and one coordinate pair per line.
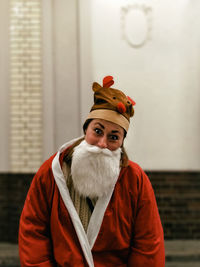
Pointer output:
x,y
124,229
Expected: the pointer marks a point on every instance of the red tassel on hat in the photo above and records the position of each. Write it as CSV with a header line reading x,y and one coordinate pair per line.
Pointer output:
x,y
108,81
130,99
121,108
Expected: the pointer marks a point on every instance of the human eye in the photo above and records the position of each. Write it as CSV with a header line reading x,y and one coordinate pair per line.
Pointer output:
x,y
113,137
98,131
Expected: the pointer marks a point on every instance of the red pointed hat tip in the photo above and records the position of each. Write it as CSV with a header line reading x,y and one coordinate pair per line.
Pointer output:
x,y
121,108
130,99
108,81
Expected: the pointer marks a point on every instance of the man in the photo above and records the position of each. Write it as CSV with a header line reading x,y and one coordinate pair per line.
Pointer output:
x,y
88,205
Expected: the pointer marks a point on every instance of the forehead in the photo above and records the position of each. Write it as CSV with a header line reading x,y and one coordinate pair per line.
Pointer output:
x,y
107,125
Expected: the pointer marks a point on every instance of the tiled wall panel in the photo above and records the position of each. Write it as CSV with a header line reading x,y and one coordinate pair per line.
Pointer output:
x,y
25,86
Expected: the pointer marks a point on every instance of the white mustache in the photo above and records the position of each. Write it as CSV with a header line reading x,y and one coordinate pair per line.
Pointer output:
x,y
97,150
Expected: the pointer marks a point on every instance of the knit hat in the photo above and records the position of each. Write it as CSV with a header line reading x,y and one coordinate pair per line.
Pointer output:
x,y
111,104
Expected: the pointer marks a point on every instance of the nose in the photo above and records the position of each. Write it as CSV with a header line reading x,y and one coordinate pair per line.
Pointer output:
x,y
102,143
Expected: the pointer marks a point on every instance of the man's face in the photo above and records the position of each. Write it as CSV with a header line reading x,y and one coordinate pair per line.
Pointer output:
x,y
104,134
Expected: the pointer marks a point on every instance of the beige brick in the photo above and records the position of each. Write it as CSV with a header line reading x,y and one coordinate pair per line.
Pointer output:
x,y
25,91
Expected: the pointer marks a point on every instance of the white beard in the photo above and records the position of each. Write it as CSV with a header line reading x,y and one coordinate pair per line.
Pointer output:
x,y
94,170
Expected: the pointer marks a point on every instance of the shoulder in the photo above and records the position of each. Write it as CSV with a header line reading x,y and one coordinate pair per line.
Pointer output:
x,y
44,176
134,167
47,163
41,190
45,168
135,176
133,170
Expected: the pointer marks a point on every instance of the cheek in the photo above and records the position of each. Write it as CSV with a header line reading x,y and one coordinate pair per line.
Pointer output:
x,y
90,138
114,146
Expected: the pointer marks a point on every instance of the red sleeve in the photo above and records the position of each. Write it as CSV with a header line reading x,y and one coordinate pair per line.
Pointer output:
x,y
35,247
148,242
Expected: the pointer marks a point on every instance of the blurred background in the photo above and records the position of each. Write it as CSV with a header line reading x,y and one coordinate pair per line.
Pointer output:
x,y
50,54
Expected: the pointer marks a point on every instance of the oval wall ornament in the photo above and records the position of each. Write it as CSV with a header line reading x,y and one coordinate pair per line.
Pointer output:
x,y
136,24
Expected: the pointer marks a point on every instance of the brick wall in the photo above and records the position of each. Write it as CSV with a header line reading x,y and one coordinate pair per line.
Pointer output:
x,y
13,188
25,86
177,193
178,198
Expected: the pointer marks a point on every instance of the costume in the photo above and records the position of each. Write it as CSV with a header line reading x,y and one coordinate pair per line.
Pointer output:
x,y
124,229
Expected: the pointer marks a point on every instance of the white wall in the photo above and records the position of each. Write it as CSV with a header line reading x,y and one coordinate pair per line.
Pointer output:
x,y
4,85
162,76
61,90
61,74
85,40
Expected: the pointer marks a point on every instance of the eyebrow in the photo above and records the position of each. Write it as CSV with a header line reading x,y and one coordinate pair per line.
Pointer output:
x,y
102,126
